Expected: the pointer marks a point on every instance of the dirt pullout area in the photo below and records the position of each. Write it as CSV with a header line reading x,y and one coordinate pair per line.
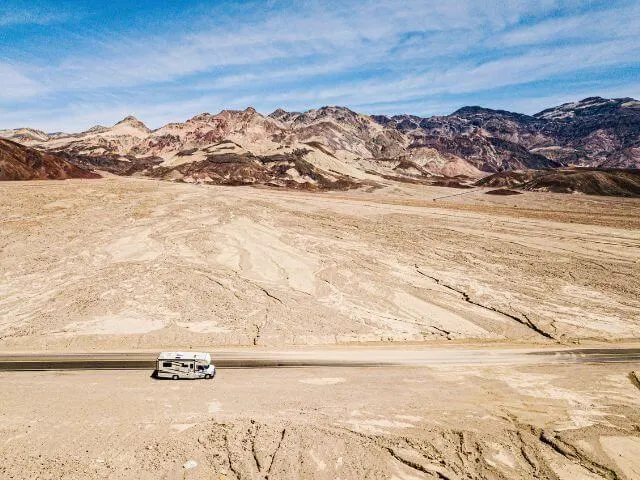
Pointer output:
x,y
126,263
451,422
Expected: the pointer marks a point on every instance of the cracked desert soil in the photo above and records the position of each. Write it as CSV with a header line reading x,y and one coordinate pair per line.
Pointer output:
x,y
129,263
125,264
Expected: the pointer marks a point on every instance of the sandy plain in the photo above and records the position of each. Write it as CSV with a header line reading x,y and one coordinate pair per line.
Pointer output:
x,y
125,264
130,263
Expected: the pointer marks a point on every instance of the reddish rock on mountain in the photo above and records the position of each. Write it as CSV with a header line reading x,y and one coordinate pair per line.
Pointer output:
x,y
18,162
344,146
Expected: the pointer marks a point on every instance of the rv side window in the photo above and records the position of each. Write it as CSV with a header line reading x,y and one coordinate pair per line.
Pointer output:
x,y
166,364
184,365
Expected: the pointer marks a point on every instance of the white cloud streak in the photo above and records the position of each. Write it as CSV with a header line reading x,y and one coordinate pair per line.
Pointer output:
x,y
15,85
32,16
356,53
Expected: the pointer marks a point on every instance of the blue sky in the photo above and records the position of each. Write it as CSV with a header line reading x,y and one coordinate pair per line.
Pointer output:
x,y
68,65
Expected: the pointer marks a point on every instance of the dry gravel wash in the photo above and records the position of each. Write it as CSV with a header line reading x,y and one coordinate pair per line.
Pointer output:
x,y
571,422
126,263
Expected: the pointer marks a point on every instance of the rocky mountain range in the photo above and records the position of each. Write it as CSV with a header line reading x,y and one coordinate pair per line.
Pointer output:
x,y
335,147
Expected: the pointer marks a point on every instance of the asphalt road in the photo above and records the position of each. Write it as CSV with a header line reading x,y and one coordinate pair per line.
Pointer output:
x,y
334,357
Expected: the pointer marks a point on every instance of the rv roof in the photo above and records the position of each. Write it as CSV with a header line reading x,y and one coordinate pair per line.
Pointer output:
x,y
184,356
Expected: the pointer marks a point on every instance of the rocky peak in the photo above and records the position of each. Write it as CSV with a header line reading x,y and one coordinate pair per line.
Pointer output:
x,y
586,107
472,110
24,135
283,116
335,113
97,129
404,123
132,121
483,114
593,100
247,112
201,117
382,119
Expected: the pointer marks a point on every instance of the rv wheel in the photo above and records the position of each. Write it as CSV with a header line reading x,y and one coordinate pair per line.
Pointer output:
x,y
207,376
175,377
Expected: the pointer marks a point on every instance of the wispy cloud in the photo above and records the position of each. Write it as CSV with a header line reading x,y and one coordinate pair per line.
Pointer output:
x,y
593,26
34,15
416,54
16,85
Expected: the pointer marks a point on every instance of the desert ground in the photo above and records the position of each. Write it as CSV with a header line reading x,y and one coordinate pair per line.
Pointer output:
x,y
125,263
137,265
447,421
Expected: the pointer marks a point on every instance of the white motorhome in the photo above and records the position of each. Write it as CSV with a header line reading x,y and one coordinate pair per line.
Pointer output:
x,y
177,365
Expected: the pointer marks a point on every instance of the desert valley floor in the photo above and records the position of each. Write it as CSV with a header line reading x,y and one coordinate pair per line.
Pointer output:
x,y
132,263
128,264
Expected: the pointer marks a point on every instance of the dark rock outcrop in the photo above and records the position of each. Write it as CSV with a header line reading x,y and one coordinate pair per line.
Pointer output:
x,y
591,181
18,162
